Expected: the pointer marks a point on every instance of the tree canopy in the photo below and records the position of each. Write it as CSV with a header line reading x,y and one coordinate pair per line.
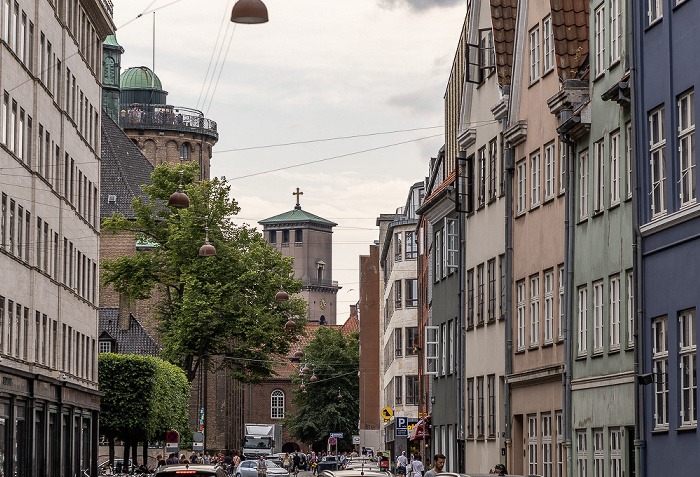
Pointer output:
x,y
220,307
334,359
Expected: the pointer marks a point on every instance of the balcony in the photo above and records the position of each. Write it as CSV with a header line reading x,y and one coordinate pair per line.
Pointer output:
x,y
316,281
174,118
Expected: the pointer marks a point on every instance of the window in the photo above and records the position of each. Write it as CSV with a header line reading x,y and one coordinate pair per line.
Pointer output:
x,y
583,185
562,167
431,350
285,237
470,407
470,298
298,236
412,390
532,444
630,310
480,292
412,292
411,340
522,186
598,317
599,41
548,306
547,44
659,327
411,246
487,57
534,309
598,176
598,453
547,445
492,405
104,347
581,454
582,320
688,363
615,169
398,251
450,347
628,157
443,336
398,389
502,300
560,443
493,153
549,171
654,10
452,245
614,312
480,407
438,255
535,178
615,452
398,342
534,54
481,192
686,147
397,294
560,304
521,315
491,275
272,237
657,150
615,31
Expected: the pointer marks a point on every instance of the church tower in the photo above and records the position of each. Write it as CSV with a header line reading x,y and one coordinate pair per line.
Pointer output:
x,y
308,239
111,69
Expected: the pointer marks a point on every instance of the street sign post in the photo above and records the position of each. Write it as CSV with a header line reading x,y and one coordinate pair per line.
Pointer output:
x,y
332,441
402,426
172,441
387,413
337,435
356,440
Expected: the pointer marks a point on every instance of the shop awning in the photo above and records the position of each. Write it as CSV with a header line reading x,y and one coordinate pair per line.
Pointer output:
x,y
421,429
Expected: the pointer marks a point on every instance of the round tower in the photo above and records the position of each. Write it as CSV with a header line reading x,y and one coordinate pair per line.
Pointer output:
x,y
163,132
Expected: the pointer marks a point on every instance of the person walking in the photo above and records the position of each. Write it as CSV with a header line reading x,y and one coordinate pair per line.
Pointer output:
x,y
262,467
417,466
401,463
438,465
296,461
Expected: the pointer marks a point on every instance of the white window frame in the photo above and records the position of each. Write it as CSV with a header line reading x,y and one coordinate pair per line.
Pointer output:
x,y
562,167
598,453
614,312
615,168
630,310
438,255
535,53
582,320
657,161
548,306
654,10
547,44
522,186
686,148
534,310
615,436
443,346
560,325
535,179
549,152
583,185
558,417
277,400
451,347
615,31
687,362
431,350
599,66
598,317
581,454
452,244
659,327
598,176
520,287
546,422
532,444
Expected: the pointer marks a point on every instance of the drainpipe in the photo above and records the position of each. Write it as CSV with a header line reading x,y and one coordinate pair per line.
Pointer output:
x,y
462,155
568,296
637,277
509,165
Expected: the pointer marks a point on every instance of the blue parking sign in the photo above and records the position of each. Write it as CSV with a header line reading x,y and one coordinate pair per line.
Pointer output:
x,y
401,423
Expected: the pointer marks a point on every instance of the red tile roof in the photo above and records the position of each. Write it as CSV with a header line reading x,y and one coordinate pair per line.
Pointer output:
x,y
503,16
570,24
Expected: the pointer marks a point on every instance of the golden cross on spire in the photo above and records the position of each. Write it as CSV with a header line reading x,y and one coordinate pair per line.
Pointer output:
x,y
297,193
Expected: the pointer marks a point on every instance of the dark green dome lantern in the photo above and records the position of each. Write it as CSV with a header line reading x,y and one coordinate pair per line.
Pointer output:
x,y
141,85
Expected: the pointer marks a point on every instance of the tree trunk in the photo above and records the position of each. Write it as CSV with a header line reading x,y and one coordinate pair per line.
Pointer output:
x,y
110,439
134,453
145,452
125,462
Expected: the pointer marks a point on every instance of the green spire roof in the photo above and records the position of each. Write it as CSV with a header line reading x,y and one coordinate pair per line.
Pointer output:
x,y
296,215
140,77
111,40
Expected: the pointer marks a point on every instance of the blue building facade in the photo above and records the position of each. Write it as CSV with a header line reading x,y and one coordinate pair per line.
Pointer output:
x,y
667,68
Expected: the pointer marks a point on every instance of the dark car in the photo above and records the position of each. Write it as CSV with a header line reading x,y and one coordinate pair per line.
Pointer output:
x,y
328,462
190,470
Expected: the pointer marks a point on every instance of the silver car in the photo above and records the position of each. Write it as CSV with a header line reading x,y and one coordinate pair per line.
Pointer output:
x,y
249,468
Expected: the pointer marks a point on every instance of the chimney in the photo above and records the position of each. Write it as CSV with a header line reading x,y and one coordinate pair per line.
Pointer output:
x,y
353,311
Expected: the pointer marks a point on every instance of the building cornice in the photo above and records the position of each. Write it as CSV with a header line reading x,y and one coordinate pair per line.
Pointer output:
x,y
536,375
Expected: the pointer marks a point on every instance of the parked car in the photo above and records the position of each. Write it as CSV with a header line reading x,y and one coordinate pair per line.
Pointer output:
x,y
191,470
249,468
354,473
328,462
118,466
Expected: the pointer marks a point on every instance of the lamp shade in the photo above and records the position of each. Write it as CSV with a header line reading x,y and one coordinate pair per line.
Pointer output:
x,y
179,200
207,250
282,295
249,12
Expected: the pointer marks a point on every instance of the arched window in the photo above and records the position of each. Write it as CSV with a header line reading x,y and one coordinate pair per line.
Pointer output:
x,y
185,152
277,404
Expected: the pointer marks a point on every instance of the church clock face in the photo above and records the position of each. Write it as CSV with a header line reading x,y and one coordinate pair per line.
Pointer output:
x,y
322,304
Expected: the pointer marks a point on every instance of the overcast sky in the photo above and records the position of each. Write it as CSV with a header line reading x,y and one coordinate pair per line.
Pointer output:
x,y
319,69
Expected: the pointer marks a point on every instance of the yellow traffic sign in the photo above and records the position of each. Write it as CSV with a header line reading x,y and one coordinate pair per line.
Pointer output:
x,y
387,413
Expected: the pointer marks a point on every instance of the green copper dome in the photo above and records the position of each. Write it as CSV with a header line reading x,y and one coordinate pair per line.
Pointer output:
x,y
139,77
111,40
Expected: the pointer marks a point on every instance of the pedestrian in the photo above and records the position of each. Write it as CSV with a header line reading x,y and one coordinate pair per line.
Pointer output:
x,y
160,461
236,459
183,459
262,467
438,465
207,458
499,469
296,460
193,458
285,461
417,466
401,463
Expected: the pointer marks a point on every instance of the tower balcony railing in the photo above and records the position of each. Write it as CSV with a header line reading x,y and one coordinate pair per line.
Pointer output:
x,y
147,116
318,281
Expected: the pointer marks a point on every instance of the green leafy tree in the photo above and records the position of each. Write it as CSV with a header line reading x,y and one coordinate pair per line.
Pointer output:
x,y
215,312
144,397
334,359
